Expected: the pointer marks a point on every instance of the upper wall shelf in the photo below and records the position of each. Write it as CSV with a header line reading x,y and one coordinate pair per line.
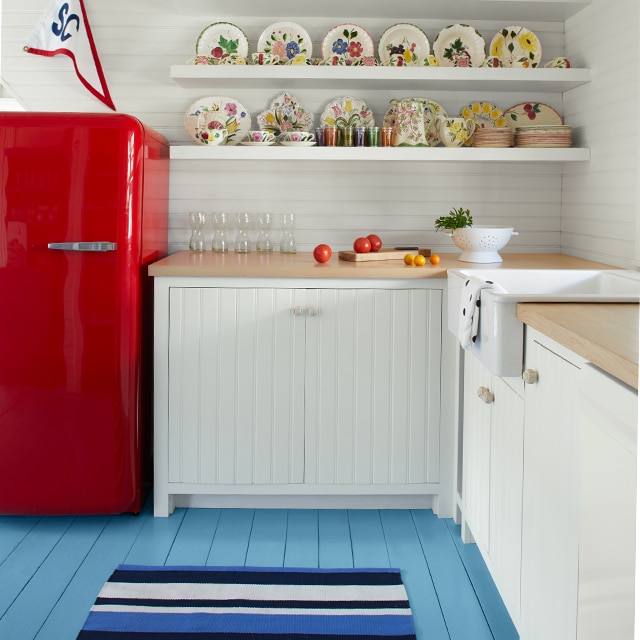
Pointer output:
x,y
430,78
463,10
380,154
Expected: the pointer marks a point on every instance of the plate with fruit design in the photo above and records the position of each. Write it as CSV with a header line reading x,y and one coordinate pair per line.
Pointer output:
x,y
406,40
459,45
222,39
531,113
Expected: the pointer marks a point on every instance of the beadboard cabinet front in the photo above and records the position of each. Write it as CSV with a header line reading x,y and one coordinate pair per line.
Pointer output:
x,y
286,391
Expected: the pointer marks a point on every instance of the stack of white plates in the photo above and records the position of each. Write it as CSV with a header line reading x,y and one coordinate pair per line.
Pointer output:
x,y
493,137
543,136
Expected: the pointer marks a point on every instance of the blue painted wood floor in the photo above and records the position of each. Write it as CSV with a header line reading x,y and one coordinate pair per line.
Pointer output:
x,y
52,568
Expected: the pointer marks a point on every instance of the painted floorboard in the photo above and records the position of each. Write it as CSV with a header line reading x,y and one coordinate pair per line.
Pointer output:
x,y
406,553
52,577
462,611
26,558
301,548
268,538
334,539
13,529
109,550
192,543
231,541
52,569
485,589
367,539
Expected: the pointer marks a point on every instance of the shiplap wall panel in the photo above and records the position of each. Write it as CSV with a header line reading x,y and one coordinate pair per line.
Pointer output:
x,y
139,41
600,199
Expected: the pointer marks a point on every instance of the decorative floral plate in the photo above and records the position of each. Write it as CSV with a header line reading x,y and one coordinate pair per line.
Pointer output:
x,y
285,39
347,112
485,115
516,47
433,137
222,39
285,114
459,45
531,113
405,39
217,112
348,41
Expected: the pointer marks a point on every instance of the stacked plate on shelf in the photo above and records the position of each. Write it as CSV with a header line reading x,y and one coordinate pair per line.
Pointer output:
x,y
543,136
493,137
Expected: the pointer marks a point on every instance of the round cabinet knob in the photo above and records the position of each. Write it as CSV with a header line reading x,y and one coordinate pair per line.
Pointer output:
x,y
298,310
530,376
485,395
313,311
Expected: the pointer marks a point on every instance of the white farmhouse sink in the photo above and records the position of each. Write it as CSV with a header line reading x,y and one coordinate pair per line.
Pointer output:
x,y
501,335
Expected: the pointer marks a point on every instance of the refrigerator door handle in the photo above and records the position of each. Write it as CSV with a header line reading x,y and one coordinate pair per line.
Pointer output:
x,y
83,246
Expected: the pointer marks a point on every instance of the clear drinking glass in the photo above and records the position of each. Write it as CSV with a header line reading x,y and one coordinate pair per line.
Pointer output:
x,y
243,222
220,242
264,243
288,241
197,221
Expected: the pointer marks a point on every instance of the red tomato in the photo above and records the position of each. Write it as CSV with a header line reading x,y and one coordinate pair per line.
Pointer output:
x,y
322,253
376,243
362,245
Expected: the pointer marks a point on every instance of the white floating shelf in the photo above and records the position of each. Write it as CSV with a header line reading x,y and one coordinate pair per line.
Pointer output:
x,y
462,10
428,78
379,154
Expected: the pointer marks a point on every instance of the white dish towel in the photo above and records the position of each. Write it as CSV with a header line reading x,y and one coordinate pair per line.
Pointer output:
x,y
470,301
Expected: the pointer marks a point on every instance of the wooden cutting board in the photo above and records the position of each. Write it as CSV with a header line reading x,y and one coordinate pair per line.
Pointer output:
x,y
383,254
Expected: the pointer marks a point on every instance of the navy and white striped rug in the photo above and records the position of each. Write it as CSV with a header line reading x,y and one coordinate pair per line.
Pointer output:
x,y
241,603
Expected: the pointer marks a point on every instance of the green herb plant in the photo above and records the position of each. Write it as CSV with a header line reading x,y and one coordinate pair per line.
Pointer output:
x,y
456,219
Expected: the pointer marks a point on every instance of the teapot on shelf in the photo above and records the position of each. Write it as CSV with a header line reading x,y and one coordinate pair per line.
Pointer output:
x,y
412,122
454,132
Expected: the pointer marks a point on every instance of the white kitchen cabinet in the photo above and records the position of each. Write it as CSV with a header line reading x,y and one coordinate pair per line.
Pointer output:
x,y
550,531
607,416
549,491
492,474
296,392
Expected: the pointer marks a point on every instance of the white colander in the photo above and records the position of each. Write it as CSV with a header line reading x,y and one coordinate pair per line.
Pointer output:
x,y
481,244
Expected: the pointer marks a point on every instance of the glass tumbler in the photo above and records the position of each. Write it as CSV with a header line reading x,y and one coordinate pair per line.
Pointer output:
x,y
288,241
263,243
243,222
197,221
220,243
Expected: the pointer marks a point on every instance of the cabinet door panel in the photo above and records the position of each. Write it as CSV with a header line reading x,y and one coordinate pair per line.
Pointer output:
x,y
476,449
239,406
505,497
373,385
550,490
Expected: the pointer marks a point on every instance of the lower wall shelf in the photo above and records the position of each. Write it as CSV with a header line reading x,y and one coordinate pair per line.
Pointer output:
x,y
381,154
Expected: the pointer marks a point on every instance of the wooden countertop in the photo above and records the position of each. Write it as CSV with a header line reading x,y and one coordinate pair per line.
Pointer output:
x,y
604,334
302,265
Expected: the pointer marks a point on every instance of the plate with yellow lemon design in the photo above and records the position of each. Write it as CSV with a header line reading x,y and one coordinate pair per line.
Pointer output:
x,y
516,47
485,115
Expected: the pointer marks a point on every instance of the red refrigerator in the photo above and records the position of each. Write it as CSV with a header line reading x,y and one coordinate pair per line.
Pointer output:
x,y
83,212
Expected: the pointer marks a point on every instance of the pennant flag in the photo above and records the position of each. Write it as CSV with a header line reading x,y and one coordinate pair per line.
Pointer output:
x,y
65,29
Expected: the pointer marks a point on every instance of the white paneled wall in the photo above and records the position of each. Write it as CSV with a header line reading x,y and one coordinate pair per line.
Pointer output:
x,y
600,206
590,212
